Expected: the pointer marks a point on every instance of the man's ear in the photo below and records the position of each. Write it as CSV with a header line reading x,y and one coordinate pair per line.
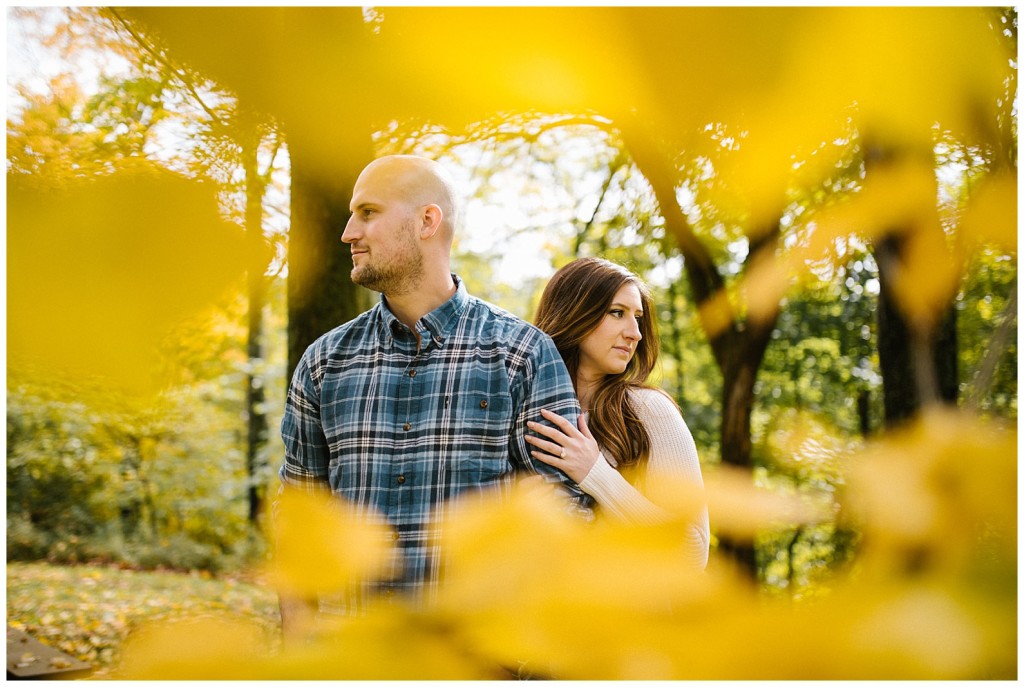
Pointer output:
x,y
431,216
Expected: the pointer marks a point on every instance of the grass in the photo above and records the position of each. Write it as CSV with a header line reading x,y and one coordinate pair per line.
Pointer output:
x,y
88,611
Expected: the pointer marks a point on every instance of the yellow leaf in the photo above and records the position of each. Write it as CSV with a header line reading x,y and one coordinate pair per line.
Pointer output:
x,y
321,545
937,489
763,286
99,270
740,508
390,642
716,313
529,584
194,649
991,215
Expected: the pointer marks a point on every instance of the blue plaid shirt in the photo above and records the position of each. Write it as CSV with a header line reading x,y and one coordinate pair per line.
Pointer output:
x,y
398,431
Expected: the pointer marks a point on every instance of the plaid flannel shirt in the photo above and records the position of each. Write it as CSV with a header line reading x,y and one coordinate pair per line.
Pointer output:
x,y
398,431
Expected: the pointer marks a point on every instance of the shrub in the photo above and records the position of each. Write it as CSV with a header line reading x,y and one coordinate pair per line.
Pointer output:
x,y
25,541
178,552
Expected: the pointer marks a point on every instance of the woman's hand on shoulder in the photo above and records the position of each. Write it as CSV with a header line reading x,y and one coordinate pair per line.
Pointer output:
x,y
573,450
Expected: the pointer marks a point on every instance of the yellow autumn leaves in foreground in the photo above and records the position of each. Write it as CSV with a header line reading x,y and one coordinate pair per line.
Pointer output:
x,y
101,270
900,198
931,596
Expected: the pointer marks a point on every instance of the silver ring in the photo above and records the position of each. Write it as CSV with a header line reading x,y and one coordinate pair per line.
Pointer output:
x,y
561,454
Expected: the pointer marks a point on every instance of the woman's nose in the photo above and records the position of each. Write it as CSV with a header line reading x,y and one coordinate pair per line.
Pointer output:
x,y
633,330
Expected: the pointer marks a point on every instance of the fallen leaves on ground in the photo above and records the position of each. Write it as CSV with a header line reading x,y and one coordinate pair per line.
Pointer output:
x,y
88,612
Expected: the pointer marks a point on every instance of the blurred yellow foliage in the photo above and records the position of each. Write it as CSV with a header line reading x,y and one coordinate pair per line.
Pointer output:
x,y
785,80
322,546
933,593
99,270
991,214
740,509
717,313
529,589
938,489
793,87
900,198
203,647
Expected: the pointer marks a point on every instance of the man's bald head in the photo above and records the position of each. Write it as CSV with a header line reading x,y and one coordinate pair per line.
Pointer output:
x,y
416,181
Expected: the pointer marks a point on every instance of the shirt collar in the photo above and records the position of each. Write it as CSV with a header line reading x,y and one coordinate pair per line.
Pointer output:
x,y
438,321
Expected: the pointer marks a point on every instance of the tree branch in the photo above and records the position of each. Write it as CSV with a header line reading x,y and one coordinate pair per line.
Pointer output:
x,y
702,273
174,71
617,164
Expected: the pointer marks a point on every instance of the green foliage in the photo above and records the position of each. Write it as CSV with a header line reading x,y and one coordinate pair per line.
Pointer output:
x,y
63,133
92,476
983,305
804,452
57,465
25,541
823,351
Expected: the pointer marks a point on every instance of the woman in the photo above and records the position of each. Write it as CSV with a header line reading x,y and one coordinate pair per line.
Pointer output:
x,y
602,320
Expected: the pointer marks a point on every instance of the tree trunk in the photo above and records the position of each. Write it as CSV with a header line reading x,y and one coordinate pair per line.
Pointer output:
x,y
739,375
256,436
737,403
321,294
900,399
864,412
917,367
919,362
739,347
946,357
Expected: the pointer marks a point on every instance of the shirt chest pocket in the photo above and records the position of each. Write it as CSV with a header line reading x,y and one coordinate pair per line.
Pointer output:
x,y
479,431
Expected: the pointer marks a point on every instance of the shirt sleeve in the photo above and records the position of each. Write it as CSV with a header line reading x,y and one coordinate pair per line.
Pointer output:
x,y
544,383
306,456
673,456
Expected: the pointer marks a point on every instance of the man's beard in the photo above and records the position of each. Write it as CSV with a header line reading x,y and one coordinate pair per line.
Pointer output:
x,y
399,276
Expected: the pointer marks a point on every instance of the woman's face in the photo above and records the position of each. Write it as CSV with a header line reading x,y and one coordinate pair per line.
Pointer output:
x,y
611,345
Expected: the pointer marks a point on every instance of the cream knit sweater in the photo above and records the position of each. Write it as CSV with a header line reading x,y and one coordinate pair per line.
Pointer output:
x,y
673,455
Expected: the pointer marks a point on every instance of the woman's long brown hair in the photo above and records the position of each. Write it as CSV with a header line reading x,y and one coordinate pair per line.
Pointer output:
x,y
573,304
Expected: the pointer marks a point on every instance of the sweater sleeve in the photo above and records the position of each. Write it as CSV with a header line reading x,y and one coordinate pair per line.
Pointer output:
x,y
673,456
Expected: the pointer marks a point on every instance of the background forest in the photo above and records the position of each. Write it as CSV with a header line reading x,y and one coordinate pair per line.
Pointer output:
x,y
824,201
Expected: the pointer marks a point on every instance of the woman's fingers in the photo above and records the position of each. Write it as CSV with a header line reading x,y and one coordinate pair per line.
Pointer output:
x,y
553,433
546,458
549,446
559,421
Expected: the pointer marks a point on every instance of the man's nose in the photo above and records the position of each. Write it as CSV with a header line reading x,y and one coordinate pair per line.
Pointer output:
x,y
349,235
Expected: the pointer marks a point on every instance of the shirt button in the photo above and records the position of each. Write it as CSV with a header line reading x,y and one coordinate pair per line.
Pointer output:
x,y
401,480
394,536
483,404
412,373
406,426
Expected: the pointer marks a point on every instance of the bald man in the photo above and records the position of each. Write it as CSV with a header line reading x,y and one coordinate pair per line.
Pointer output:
x,y
424,397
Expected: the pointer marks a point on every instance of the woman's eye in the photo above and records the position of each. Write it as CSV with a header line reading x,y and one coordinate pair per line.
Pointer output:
x,y
615,313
